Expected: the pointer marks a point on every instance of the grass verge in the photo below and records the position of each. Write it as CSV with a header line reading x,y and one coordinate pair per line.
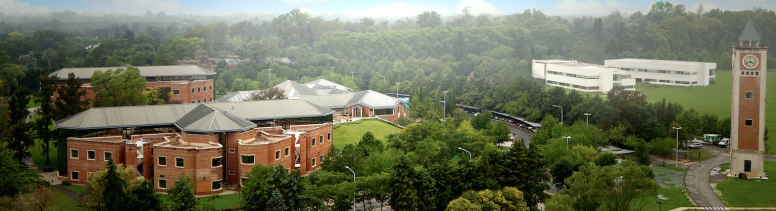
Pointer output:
x,y
676,198
750,193
223,202
350,133
675,168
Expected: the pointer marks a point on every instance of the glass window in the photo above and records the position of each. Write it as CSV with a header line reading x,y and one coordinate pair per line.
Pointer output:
x,y
74,153
176,91
231,150
314,162
747,166
90,155
162,160
321,139
179,162
277,154
108,155
215,162
287,151
616,77
199,101
211,88
193,90
247,159
387,111
74,175
328,136
216,185
321,158
749,95
313,141
162,184
199,89
231,172
749,122
712,72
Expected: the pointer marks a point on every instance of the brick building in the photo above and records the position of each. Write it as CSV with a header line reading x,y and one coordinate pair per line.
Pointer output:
x,y
213,143
188,83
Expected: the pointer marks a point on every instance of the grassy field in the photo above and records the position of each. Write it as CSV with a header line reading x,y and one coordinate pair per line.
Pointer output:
x,y
750,193
693,155
350,133
37,156
79,189
714,99
32,104
676,198
66,203
224,202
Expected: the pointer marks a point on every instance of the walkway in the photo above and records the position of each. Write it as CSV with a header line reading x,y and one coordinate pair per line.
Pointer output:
x,y
697,181
68,192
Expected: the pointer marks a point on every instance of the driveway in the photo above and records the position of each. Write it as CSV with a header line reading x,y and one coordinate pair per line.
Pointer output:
x,y
697,180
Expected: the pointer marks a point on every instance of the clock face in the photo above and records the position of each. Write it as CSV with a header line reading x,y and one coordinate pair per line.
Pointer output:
x,y
750,61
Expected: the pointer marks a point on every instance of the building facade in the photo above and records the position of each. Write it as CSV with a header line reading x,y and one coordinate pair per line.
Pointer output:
x,y
215,144
187,83
747,132
579,76
667,72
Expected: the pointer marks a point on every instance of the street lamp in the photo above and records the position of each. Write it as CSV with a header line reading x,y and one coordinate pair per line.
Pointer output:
x,y
587,118
397,90
332,70
354,185
561,112
444,107
677,145
383,78
567,141
470,154
661,205
270,77
351,76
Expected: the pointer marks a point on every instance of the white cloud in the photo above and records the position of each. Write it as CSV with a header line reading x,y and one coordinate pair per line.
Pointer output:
x,y
750,1
316,14
706,7
301,3
589,7
479,7
17,7
392,11
169,7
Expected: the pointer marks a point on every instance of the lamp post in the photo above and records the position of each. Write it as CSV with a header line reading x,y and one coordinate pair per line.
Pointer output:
x,y
587,118
677,145
354,185
567,141
444,107
332,70
561,112
661,205
270,77
351,76
383,78
397,90
470,154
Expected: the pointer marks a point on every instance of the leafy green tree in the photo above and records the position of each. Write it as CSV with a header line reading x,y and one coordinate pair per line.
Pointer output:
x,y
563,169
500,131
114,196
522,168
560,202
272,188
508,198
611,187
119,88
606,159
41,125
709,123
482,121
16,178
182,194
691,124
404,187
144,197
271,93
642,153
154,96
68,102
429,19
662,147
19,141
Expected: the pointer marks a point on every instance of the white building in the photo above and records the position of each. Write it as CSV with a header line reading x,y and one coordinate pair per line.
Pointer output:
x,y
667,72
581,76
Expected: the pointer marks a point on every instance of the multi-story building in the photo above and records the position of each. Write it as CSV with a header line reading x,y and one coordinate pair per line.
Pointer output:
x,y
667,72
213,143
579,76
188,83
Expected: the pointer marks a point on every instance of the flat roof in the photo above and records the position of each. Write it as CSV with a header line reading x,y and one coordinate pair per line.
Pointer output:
x,y
655,61
145,71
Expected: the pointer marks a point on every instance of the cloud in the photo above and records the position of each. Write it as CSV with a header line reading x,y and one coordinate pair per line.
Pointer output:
x,y
16,7
479,7
301,3
750,1
316,14
168,6
589,7
706,7
395,10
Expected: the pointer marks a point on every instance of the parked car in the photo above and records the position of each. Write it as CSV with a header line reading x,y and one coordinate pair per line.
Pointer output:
x,y
725,142
696,145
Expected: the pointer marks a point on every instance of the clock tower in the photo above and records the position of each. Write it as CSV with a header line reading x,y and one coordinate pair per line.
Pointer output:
x,y
747,125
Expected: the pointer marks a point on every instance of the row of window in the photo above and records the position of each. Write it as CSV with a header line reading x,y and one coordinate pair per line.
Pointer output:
x,y
214,185
328,137
590,88
573,75
200,101
750,73
711,72
90,155
199,89
670,81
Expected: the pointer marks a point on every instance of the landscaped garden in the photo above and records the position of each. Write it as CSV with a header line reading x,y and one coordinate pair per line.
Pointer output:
x,y
750,192
350,133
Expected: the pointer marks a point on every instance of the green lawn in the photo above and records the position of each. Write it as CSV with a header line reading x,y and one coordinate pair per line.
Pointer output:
x,y
37,156
676,198
65,202
693,155
224,202
32,104
218,96
350,133
750,193
77,188
714,99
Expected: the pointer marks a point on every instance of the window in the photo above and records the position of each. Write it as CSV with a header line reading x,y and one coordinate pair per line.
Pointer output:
x,y
747,166
231,150
193,90
74,175
321,139
712,72
211,99
231,172
74,153
288,151
176,91
199,101
179,162
211,87
277,154
243,180
90,155
749,95
313,141
387,111
108,155
328,137
247,159
616,77
321,158
161,161
215,162
216,185
162,184
314,162
193,101
748,122
199,89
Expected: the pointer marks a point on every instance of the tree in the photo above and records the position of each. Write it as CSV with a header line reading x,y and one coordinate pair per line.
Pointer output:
x,y
272,188
662,147
642,153
611,187
500,131
117,187
271,93
28,61
16,178
429,19
182,194
68,102
48,85
482,121
19,141
404,187
119,88
154,96
560,202
508,198
114,196
606,159
561,170
522,168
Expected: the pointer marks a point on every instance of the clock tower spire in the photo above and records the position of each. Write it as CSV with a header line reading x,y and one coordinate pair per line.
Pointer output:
x,y
747,125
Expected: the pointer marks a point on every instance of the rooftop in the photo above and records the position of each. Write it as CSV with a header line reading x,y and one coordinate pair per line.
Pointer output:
x,y
750,33
654,61
145,71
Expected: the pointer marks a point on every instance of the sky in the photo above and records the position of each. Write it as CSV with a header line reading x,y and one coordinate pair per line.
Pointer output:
x,y
382,9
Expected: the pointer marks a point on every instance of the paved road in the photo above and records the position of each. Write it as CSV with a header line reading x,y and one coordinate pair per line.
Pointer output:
x,y
697,181
519,133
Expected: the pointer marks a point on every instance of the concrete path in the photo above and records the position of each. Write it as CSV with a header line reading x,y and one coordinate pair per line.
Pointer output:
x,y
32,112
697,181
68,192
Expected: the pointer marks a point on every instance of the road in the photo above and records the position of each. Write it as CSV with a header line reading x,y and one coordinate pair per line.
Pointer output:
x,y
518,133
698,177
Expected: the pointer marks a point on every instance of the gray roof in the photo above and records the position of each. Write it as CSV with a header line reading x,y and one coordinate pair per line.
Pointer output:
x,y
330,101
373,100
212,117
750,33
237,96
326,84
204,118
293,89
145,71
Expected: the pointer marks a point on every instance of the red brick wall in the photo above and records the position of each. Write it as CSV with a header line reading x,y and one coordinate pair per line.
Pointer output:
x,y
748,136
199,138
265,154
307,151
197,165
202,90
84,165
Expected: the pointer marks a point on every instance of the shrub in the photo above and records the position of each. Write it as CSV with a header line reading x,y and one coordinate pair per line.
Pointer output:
x,y
66,182
47,169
